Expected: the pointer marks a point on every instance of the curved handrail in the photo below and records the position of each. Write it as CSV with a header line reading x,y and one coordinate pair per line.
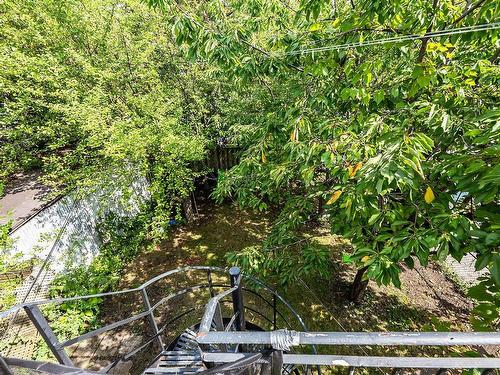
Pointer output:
x,y
264,285
285,320
107,294
151,309
159,277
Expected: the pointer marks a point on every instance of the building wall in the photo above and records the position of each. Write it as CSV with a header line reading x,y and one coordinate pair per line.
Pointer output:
x,y
63,234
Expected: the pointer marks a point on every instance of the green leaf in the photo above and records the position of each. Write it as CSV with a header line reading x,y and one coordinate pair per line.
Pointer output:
x,y
495,269
409,262
373,218
492,239
379,96
482,261
479,293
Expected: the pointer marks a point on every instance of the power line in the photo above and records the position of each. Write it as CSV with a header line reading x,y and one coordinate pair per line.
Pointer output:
x,y
404,38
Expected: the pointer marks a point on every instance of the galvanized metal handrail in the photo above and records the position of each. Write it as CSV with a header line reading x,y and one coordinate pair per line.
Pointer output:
x,y
20,306
148,283
294,338
46,367
211,309
57,348
284,339
366,361
280,340
213,314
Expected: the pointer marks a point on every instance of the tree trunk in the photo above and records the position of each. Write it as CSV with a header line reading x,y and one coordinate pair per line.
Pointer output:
x,y
358,286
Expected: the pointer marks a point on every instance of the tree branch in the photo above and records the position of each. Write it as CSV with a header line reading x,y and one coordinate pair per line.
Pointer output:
x,y
469,11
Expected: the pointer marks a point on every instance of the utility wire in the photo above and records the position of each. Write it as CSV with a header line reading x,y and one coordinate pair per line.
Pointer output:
x,y
404,38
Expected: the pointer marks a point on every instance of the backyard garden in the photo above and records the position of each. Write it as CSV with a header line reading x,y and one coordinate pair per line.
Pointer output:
x,y
359,143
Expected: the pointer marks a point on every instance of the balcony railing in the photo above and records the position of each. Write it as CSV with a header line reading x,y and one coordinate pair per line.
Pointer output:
x,y
229,340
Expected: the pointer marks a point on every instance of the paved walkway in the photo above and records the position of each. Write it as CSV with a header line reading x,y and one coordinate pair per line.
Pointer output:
x,y
24,195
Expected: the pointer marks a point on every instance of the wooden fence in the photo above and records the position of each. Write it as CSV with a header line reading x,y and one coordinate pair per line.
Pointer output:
x,y
222,158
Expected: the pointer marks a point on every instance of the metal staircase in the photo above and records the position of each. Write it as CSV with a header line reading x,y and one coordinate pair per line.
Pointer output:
x,y
185,358
185,362
236,324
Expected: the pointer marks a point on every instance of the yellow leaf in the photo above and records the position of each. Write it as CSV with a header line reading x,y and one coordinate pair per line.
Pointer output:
x,y
365,259
334,197
332,147
429,195
264,159
353,170
294,135
431,46
315,27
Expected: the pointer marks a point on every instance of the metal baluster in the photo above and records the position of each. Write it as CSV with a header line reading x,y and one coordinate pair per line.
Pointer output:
x,y
47,334
219,325
210,284
276,362
275,325
151,317
5,368
238,306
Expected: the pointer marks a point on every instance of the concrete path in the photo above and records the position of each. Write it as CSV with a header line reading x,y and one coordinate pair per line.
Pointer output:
x,y
24,196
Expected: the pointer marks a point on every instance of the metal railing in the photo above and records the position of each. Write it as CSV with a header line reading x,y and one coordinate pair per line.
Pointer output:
x,y
227,344
57,348
283,341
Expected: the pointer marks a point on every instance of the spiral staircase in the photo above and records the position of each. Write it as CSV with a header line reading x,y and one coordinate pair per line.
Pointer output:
x,y
207,320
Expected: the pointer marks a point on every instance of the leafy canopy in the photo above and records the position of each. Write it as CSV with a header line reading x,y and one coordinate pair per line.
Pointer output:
x,y
396,142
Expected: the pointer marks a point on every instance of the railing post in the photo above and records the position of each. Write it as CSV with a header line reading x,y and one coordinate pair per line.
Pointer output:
x,y
151,318
275,324
238,305
4,367
47,334
276,362
210,283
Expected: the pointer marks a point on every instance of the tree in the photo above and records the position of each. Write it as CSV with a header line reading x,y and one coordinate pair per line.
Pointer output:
x,y
366,116
97,92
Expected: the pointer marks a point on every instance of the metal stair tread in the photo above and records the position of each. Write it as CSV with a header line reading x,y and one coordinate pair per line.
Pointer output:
x,y
180,363
173,370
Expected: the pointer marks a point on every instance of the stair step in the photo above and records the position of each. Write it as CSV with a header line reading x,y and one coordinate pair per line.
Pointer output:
x,y
173,370
175,362
178,352
184,357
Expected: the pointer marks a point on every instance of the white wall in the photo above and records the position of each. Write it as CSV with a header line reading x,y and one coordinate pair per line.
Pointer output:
x,y
67,230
